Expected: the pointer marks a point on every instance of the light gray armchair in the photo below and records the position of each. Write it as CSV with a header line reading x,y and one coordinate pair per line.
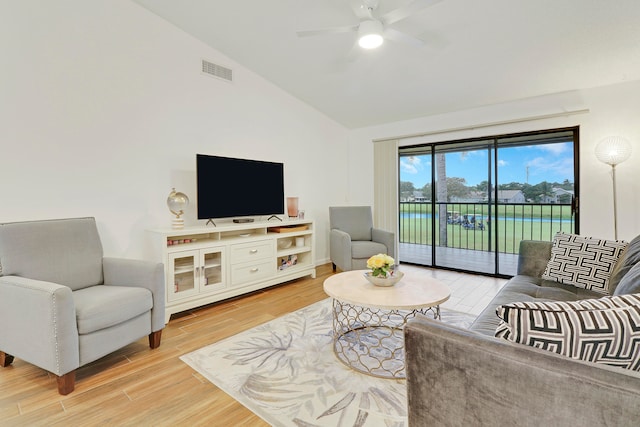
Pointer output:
x,y
62,305
353,240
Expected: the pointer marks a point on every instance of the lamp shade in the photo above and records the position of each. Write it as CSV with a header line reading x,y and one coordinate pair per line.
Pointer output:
x,y
613,150
370,34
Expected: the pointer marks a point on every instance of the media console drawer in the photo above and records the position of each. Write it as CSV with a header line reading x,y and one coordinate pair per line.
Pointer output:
x,y
248,272
242,252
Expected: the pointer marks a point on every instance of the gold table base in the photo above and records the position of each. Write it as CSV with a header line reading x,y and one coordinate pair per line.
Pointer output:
x,y
371,341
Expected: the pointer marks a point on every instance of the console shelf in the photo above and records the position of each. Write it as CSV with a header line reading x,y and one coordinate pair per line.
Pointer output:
x,y
208,264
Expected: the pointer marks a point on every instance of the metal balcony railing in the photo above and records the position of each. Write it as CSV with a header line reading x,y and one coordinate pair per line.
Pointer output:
x,y
482,227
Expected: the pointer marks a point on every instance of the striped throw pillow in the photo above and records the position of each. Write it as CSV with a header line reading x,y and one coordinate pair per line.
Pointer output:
x,y
604,330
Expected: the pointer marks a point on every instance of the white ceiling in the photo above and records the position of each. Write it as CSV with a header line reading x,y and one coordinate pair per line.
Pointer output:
x,y
475,52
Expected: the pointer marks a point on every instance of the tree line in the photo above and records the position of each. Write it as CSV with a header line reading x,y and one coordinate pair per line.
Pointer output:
x,y
458,188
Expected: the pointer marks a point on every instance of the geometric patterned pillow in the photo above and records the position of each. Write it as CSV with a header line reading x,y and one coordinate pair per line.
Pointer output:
x,y
584,262
604,330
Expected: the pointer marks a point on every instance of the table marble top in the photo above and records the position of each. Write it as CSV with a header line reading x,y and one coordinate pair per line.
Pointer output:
x,y
410,293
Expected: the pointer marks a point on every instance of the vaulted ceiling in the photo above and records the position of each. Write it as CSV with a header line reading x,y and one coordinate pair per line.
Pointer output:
x,y
474,53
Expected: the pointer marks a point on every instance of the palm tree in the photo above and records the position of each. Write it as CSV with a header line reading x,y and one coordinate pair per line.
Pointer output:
x,y
441,196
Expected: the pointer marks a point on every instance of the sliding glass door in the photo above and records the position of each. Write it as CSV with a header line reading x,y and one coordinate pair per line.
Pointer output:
x,y
466,205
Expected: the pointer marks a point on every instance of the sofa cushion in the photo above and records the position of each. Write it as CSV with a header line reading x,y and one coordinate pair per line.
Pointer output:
x,y
100,307
604,330
630,283
628,258
527,288
584,262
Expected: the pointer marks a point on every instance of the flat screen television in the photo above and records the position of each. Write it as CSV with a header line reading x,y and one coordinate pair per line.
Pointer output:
x,y
230,187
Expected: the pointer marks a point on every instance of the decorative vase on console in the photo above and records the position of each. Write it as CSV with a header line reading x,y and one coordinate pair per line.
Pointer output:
x,y
292,207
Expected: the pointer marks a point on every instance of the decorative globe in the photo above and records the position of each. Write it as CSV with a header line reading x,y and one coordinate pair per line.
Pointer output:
x,y
177,202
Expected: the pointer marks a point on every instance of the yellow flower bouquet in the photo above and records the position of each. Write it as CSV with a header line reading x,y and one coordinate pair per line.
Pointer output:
x,y
381,265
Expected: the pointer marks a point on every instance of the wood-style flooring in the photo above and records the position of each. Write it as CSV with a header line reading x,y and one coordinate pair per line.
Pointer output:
x,y
137,386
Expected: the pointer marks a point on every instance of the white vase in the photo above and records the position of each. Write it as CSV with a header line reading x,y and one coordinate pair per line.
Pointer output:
x,y
384,280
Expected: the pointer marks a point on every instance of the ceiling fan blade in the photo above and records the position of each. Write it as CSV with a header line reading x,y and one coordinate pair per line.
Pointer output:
x,y
406,11
400,37
335,30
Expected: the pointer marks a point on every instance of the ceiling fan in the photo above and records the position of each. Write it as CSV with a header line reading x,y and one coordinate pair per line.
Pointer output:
x,y
373,29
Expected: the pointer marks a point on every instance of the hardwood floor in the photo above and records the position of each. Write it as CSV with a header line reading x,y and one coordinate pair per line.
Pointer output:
x,y
138,386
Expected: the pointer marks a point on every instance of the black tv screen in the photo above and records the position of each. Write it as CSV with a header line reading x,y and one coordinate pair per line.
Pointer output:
x,y
229,187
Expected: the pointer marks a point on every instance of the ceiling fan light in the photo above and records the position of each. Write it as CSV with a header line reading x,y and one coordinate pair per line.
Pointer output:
x,y
370,34
370,41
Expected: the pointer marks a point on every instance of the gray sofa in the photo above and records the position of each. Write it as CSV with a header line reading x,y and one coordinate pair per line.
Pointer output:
x,y
458,377
63,305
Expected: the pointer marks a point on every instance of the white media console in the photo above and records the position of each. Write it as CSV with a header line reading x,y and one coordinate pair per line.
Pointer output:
x,y
212,263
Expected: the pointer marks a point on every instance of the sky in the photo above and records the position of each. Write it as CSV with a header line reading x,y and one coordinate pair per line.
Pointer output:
x,y
531,164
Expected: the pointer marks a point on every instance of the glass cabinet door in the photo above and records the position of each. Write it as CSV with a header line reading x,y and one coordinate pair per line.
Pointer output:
x,y
211,268
183,269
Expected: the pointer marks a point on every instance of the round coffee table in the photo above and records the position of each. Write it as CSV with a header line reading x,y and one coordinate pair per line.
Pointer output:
x,y
368,320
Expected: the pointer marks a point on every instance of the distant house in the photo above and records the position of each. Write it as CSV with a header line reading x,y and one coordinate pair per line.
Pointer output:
x,y
559,195
510,196
562,195
419,197
415,196
472,197
504,196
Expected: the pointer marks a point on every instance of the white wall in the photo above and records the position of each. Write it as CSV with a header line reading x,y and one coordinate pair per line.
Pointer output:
x,y
103,108
613,110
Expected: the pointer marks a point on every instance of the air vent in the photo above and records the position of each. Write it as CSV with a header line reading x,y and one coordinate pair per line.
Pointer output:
x,y
217,70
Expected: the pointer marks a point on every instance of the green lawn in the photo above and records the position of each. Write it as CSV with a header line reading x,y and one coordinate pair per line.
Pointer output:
x,y
514,223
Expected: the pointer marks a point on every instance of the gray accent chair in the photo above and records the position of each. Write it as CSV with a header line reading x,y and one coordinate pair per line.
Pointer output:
x,y
64,305
353,239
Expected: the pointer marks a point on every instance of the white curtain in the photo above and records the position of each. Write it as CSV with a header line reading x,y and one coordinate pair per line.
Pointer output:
x,y
385,187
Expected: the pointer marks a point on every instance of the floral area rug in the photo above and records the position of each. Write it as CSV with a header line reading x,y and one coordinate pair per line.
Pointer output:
x,y
285,371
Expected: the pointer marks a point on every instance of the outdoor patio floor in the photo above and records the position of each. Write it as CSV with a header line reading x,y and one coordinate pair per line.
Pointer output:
x,y
470,293
459,259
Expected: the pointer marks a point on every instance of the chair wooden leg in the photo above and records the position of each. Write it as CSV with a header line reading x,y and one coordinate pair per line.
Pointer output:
x,y
154,339
67,383
5,359
334,267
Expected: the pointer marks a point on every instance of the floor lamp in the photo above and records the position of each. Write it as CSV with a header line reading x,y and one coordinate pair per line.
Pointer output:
x,y
613,151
